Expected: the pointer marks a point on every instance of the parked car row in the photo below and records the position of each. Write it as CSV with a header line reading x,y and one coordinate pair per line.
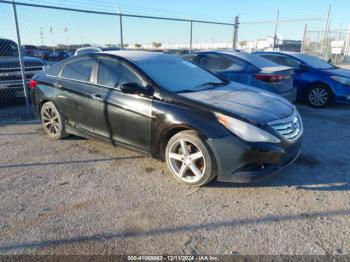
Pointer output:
x,y
49,55
291,75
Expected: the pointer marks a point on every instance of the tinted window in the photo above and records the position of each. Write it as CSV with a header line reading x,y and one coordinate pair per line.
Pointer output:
x,y
178,75
214,63
283,60
54,70
8,48
238,64
314,61
190,58
79,70
113,73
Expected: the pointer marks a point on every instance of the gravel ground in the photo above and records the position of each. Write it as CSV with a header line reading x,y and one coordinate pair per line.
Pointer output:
x,y
78,196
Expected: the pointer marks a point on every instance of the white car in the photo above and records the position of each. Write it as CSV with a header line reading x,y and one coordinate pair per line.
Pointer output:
x,y
87,50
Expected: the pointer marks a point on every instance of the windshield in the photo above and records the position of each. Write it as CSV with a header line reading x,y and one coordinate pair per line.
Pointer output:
x,y
8,48
178,75
314,61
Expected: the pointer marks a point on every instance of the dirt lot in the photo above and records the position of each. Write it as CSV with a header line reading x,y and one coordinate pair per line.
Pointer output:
x,y
84,197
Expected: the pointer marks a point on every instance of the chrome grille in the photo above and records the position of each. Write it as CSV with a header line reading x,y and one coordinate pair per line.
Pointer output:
x,y
289,128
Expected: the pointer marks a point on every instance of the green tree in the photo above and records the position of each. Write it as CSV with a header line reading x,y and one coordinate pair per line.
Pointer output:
x,y
156,44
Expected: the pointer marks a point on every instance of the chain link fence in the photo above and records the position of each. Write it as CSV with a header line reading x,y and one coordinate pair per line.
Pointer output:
x,y
34,36
333,45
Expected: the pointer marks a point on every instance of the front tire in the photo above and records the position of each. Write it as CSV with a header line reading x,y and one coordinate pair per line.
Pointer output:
x,y
319,96
189,159
52,121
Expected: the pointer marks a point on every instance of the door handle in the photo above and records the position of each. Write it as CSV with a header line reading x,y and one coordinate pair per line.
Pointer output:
x,y
57,85
96,97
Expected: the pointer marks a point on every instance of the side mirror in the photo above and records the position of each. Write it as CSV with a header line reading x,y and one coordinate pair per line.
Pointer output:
x,y
302,68
135,88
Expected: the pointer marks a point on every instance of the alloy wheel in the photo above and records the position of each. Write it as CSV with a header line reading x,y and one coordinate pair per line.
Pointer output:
x,y
51,121
186,160
318,96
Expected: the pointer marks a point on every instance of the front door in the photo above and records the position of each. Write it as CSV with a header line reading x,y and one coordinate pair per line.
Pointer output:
x,y
123,118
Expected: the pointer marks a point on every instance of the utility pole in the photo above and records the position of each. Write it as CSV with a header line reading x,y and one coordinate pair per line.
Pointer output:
x,y
275,34
235,33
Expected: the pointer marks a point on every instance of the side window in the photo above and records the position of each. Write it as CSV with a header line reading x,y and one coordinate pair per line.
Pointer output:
x,y
79,70
291,62
113,73
214,63
283,60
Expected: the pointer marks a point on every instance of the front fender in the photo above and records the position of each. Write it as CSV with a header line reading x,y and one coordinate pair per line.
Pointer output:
x,y
170,118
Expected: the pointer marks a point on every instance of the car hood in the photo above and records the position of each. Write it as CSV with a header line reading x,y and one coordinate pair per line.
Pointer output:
x,y
248,103
338,72
13,62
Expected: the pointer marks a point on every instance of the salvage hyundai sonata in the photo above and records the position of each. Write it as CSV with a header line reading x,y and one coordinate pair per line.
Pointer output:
x,y
202,126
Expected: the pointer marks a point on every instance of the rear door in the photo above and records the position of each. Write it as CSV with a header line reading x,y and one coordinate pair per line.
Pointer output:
x,y
75,83
281,59
122,118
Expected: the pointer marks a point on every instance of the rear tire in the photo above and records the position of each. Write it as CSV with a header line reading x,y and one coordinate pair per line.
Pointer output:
x,y
189,160
52,121
319,96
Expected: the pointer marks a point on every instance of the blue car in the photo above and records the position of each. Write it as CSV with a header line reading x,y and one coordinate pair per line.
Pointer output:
x,y
248,69
319,83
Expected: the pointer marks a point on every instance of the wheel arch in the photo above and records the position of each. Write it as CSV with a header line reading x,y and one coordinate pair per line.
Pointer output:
x,y
41,103
170,132
318,83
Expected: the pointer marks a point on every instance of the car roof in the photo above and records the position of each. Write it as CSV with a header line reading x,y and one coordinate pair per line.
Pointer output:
x,y
249,57
277,53
142,57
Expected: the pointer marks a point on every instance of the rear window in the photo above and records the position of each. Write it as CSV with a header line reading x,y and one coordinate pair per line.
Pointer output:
x,y
79,69
8,48
190,58
282,60
54,70
255,60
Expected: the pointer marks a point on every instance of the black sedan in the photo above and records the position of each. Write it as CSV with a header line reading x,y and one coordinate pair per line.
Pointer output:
x,y
161,105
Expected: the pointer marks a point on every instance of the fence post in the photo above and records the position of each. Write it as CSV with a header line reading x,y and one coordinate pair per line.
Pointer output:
x,y
324,44
121,30
20,55
191,35
302,49
275,34
235,33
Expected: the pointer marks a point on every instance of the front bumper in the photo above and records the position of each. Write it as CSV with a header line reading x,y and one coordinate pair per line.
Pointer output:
x,y
341,93
243,162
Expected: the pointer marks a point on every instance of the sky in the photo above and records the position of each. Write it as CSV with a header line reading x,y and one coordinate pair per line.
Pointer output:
x,y
257,18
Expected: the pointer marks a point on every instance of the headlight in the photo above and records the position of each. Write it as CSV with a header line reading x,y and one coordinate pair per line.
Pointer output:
x,y
246,131
341,80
